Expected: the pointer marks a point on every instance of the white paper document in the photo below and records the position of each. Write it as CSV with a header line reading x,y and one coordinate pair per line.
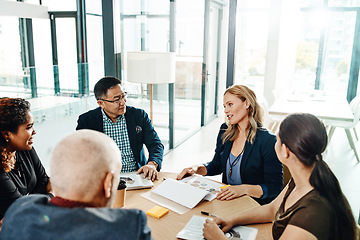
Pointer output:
x,y
135,181
180,192
194,230
181,196
200,182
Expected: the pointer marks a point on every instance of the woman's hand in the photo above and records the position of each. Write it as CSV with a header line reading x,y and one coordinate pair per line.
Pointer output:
x,y
198,169
211,228
186,172
232,192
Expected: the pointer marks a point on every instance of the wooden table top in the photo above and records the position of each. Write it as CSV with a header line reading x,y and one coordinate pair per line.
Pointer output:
x,y
170,225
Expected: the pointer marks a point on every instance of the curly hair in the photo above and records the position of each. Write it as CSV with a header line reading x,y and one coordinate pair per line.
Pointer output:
x,y
255,113
13,113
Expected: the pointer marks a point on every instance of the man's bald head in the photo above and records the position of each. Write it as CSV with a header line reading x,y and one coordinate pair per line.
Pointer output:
x,y
80,162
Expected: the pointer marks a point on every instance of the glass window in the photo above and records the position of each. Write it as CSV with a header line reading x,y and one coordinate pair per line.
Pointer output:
x,y
344,3
132,34
14,81
66,45
254,4
95,49
158,6
307,52
338,50
131,6
189,43
93,6
43,57
335,51
157,35
36,2
190,39
63,5
251,47
311,3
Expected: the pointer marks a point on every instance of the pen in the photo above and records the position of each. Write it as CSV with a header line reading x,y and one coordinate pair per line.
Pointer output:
x,y
208,214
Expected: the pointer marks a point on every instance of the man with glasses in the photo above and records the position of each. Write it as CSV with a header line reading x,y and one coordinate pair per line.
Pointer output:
x,y
128,126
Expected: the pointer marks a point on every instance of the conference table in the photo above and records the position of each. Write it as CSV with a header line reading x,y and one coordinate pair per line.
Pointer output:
x,y
332,108
168,226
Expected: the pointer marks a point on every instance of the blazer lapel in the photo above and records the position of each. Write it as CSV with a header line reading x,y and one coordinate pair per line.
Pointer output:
x,y
245,158
225,155
131,128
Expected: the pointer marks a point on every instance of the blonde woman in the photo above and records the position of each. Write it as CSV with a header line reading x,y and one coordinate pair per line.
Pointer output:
x,y
244,154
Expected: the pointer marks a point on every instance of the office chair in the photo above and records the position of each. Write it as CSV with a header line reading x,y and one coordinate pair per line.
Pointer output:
x,y
348,126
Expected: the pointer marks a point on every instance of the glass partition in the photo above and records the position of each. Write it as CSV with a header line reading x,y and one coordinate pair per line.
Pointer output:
x,y
43,57
251,48
95,49
14,79
66,48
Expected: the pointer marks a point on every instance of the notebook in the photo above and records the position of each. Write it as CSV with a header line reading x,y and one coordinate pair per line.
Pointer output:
x,y
194,231
135,181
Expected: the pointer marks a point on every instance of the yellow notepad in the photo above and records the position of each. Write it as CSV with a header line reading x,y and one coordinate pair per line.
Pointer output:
x,y
157,211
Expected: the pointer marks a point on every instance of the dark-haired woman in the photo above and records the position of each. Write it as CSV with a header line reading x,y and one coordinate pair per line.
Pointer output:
x,y
21,171
244,154
312,205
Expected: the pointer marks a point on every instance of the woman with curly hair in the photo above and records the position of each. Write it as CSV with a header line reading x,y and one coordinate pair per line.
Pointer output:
x,y
312,205
21,171
244,153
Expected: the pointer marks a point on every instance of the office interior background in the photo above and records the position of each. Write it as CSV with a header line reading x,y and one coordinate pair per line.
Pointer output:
x,y
53,52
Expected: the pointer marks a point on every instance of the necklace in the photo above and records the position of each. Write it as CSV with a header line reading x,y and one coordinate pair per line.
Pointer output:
x,y
235,161
238,157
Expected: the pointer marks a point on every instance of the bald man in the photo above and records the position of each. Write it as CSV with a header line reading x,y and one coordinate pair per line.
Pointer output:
x,y
85,169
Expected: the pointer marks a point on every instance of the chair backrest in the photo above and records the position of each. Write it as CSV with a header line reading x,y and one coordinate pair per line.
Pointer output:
x,y
354,103
356,109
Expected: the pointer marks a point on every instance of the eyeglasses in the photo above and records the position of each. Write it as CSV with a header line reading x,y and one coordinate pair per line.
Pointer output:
x,y
121,98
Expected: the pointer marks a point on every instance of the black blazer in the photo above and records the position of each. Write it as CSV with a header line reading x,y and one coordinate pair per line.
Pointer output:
x,y
139,129
259,165
28,177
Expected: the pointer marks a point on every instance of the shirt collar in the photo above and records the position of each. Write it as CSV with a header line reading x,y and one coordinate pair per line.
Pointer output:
x,y
61,202
106,118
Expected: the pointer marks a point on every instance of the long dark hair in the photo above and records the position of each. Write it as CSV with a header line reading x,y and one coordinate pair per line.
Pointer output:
x,y
305,136
13,113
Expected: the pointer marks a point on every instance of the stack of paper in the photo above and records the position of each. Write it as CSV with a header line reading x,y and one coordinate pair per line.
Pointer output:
x,y
194,230
179,196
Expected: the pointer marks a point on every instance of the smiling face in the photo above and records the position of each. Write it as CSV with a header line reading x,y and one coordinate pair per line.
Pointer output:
x,y
235,109
22,140
114,109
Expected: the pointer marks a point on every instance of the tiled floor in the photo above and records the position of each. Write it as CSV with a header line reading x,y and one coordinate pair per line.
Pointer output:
x,y
340,157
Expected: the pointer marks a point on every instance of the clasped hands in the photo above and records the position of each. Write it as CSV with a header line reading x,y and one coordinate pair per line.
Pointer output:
x,y
149,171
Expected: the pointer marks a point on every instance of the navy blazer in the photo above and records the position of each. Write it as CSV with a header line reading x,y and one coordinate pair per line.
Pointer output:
x,y
139,129
259,164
